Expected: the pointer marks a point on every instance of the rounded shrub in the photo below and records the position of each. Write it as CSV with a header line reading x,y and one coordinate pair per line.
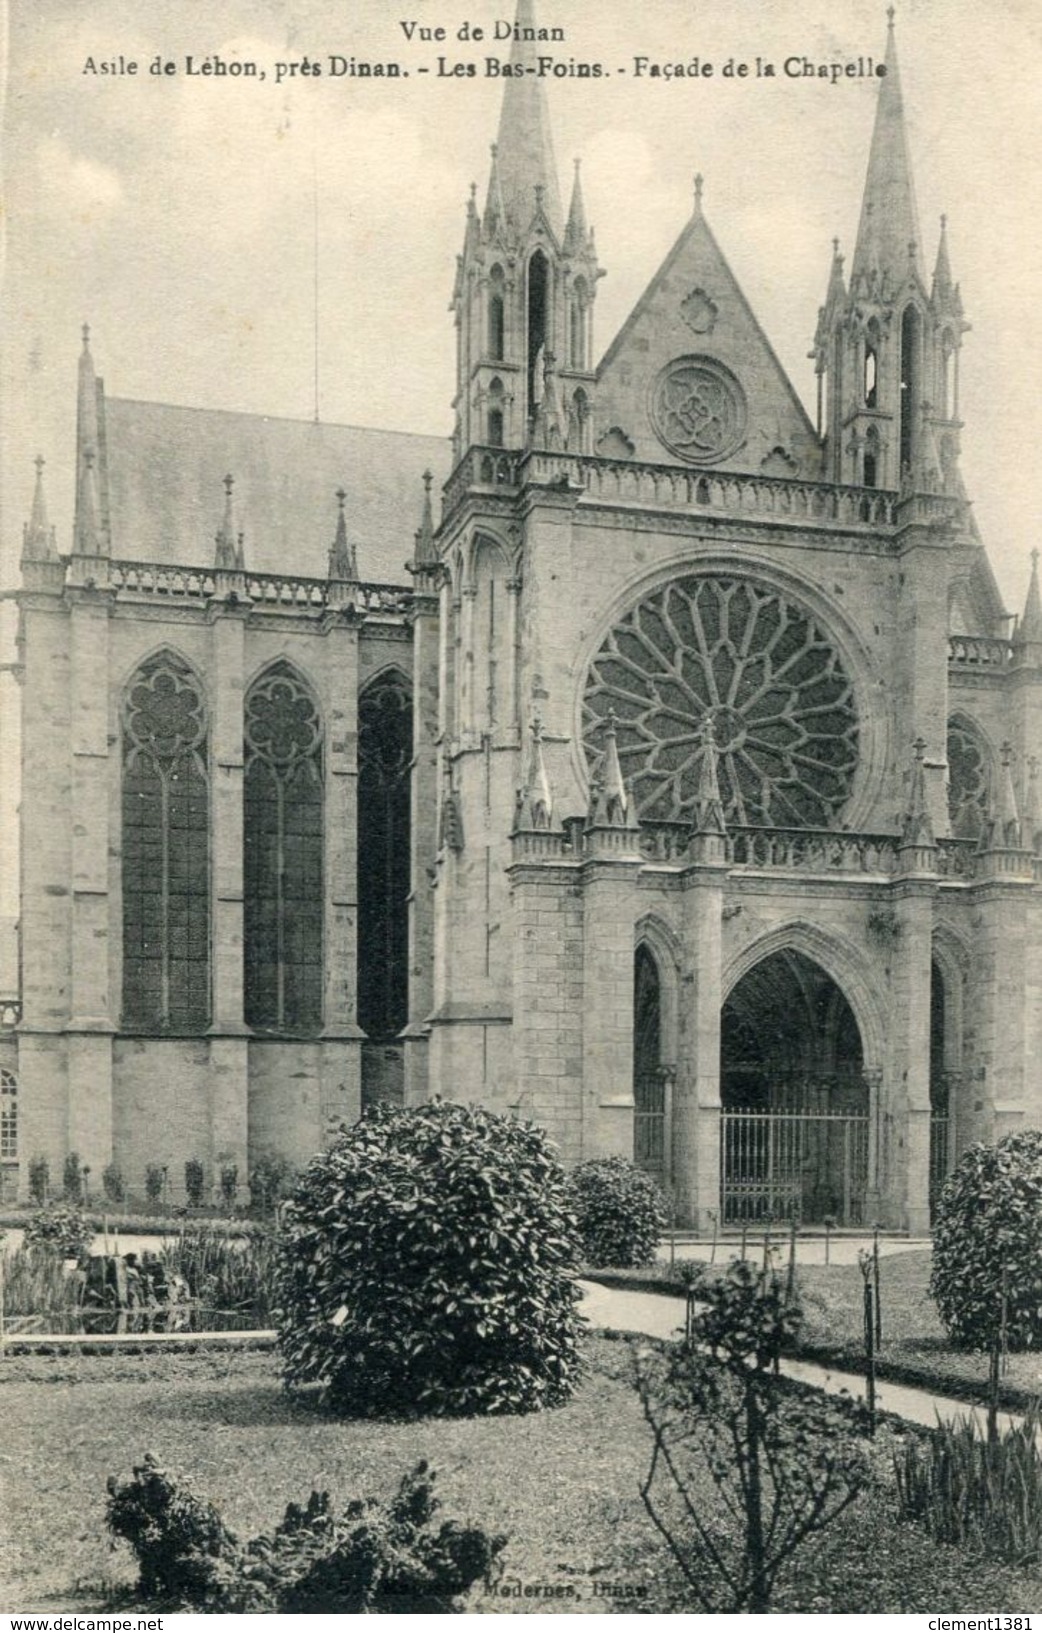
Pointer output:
x,y
59,1229
620,1210
989,1220
427,1266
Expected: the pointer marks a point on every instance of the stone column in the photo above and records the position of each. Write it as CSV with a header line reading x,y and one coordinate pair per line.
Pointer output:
x,y
229,1049
341,1063
904,1188
696,1097
90,1025
610,912
423,821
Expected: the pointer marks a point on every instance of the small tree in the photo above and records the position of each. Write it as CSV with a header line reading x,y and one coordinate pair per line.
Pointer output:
x,y
155,1182
195,1181
229,1184
785,1465
72,1179
426,1265
113,1185
39,1180
988,1227
271,1179
620,1210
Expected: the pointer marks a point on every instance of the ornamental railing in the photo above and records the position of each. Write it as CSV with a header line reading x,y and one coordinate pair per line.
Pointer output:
x,y
154,581
808,850
978,652
621,481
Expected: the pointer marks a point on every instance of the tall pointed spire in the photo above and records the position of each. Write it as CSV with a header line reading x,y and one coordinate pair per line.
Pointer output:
x,y
889,226
525,149
576,232
942,271
90,523
342,564
1029,630
495,209
38,543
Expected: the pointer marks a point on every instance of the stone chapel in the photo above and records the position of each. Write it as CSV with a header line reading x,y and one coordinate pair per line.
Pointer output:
x,y
650,761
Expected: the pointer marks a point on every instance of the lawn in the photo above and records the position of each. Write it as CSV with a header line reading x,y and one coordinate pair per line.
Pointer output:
x,y
914,1348
562,1484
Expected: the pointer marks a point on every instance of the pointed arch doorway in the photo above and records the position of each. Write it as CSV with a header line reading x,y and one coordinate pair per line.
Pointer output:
x,y
795,1102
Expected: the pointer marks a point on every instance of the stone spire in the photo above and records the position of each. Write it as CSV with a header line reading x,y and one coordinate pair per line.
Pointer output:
x,y
917,828
229,556
527,169
426,553
495,210
943,289
708,816
38,542
1028,633
1033,809
343,566
614,792
87,534
1005,824
576,232
89,529
535,801
888,238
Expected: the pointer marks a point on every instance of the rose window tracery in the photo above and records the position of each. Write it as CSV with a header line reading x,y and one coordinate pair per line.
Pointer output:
x,y
762,668
698,410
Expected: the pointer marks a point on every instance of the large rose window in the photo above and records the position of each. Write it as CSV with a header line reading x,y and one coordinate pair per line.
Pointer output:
x,y
767,674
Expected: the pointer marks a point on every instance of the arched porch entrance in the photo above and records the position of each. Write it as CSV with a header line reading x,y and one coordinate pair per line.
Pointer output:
x,y
795,1102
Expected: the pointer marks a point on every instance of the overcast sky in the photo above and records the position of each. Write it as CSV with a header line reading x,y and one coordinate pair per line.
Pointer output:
x,y
176,213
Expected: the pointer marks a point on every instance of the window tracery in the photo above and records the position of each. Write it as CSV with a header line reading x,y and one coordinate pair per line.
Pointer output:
x,y
166,861
283,861
969,779
767,674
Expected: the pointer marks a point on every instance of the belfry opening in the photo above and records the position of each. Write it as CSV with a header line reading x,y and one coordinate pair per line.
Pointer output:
x,y
795,1103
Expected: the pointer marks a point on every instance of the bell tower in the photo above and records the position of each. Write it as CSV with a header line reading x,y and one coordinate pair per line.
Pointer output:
x,y
887,346
525,283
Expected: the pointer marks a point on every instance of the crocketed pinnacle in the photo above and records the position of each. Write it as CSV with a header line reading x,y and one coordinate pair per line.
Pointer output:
x,y
38,543
1029,629
342,564
425,553
229,552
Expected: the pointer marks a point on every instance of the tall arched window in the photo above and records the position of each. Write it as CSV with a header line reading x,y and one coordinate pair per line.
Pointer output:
x,y
496,401
384,763
166,852
871,381
577,325
910,329
8,1115
496,313
538,309
282,838
871,471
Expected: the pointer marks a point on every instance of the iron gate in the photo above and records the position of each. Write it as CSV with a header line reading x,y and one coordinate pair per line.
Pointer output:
x,y
804,1165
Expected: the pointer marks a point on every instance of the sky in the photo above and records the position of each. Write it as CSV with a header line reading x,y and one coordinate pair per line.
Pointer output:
x,y
177,214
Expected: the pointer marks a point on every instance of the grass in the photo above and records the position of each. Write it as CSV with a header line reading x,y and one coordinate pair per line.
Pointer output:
x,y
563,1485
914,1349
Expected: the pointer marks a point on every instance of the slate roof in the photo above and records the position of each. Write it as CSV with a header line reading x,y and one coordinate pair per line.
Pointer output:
x,y
166,469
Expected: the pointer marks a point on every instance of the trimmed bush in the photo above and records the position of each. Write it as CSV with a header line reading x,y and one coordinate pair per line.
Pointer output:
x,y
271,1180
112,1184
374,1558
989,1220
39,1180
195,1182
620,1209
61,1230
427,1266
72,1179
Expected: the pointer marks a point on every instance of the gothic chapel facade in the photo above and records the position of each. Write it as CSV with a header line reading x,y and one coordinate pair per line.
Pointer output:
x,y
681,796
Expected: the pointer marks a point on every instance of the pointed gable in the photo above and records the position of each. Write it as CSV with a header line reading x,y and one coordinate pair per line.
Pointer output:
x,y
692,379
